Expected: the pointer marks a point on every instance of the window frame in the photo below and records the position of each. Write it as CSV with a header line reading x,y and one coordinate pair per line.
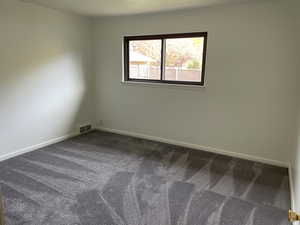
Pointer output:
x,y
163,37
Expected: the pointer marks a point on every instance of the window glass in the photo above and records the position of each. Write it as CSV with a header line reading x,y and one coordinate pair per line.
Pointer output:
x,y
145,59
184,59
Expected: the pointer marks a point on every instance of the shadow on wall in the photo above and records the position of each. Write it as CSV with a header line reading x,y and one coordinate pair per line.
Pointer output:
x,y
43,74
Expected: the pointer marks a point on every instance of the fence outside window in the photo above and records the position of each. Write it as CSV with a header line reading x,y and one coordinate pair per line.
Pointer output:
x,y
142,71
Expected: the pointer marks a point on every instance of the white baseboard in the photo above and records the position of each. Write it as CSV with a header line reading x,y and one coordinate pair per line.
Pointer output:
x,y
292,187
37,146
196,146
292,192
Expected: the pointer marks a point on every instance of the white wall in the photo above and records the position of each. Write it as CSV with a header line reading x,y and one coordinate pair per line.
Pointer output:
x,y
248,106
295,164
295,156
295,176
44,74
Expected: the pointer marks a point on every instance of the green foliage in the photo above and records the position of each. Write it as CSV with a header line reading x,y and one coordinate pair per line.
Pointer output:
x,y
193,64
197,42
181,51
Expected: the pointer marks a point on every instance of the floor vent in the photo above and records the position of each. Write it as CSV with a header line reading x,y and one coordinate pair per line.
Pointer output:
x,y
85,129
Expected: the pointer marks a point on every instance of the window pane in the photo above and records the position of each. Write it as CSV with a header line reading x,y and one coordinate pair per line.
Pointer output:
x,y
184,59
144,59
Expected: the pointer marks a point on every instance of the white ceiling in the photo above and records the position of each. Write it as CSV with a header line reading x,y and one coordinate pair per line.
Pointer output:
x,y
125,7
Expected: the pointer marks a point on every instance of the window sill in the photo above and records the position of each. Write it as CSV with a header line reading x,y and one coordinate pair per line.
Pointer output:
x,y
162,85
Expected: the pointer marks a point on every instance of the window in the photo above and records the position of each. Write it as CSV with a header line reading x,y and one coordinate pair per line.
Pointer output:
x,y
167,58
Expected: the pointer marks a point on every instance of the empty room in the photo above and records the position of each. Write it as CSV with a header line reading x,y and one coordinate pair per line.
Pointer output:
x,y
149,112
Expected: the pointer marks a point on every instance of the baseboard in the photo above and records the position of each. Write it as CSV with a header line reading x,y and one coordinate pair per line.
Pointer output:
x,y
292,192
196,146
37,146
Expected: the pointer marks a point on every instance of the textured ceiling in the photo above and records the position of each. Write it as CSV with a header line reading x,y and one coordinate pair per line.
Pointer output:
x,y
125,7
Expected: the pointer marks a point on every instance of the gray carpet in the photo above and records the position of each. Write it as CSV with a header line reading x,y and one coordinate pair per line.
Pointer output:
x,y
107,179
